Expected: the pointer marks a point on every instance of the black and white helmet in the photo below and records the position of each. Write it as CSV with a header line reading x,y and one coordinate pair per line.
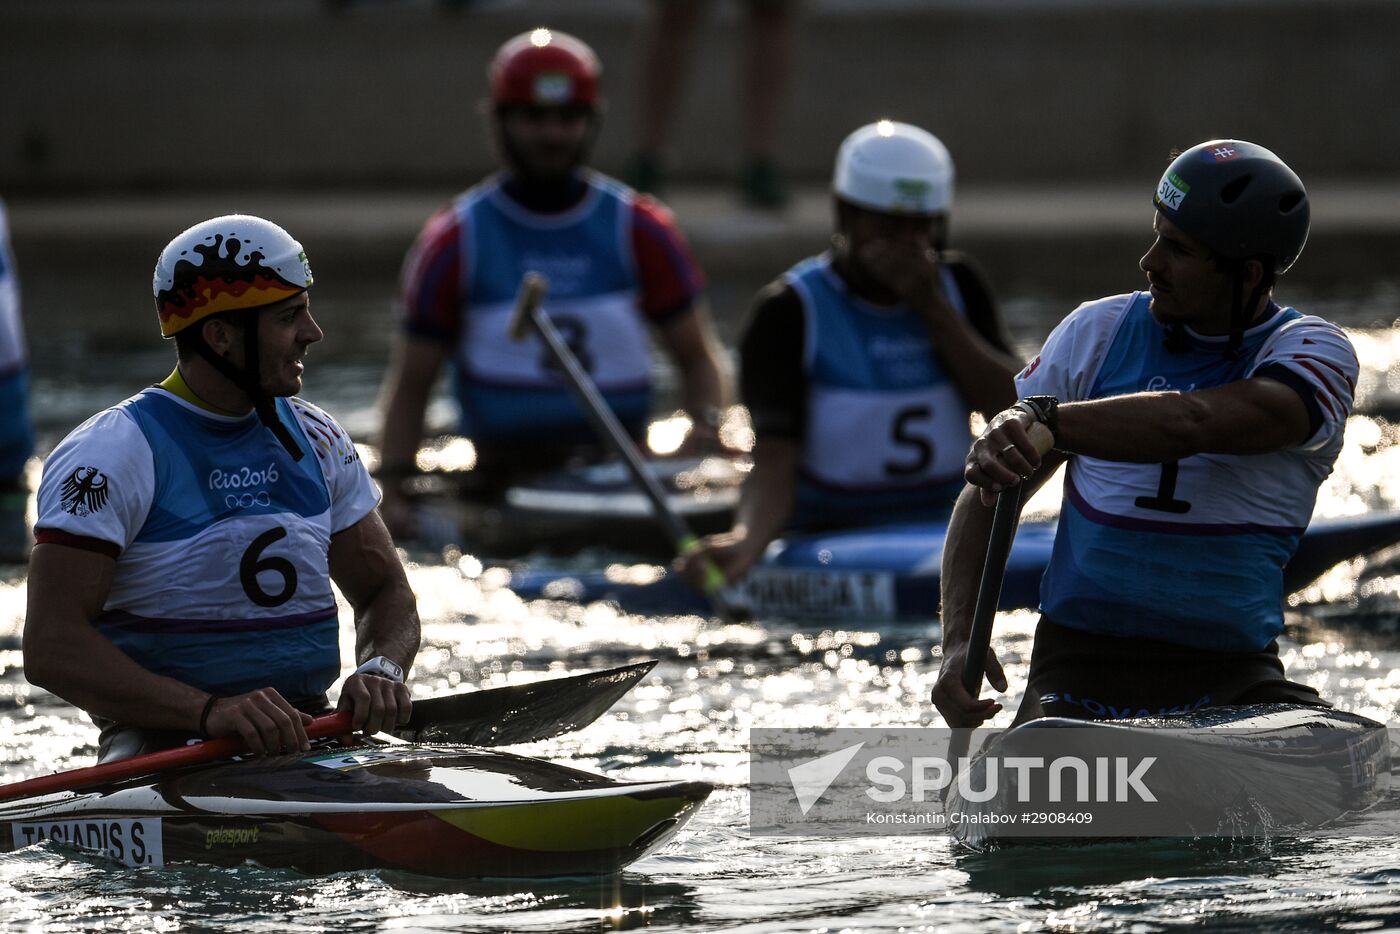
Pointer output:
x,y
1239,199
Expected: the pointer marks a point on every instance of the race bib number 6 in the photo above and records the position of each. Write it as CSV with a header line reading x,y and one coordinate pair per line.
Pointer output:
x,y
254,568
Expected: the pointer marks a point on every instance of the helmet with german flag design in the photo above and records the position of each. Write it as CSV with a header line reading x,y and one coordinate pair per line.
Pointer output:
x,y
223,269
232,263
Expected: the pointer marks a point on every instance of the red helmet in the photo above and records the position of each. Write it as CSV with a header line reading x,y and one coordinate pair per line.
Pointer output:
x,y
545,68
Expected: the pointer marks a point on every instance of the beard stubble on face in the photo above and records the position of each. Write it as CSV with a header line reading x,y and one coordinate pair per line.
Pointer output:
x,y
278,369
543,163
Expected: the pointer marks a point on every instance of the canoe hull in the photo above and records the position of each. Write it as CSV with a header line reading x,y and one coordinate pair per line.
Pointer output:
x,y
590,506
1241,772
892,572
435,810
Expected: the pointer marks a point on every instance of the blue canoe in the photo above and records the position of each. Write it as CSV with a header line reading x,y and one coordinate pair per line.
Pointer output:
x,y
891,572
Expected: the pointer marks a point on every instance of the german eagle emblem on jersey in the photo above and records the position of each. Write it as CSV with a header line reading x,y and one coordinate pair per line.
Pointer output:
x,y
84,492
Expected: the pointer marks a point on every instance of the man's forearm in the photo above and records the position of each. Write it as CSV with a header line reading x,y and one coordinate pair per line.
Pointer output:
x,y
703,386
408,385
84,668
388,625
690,342
983,374
765,507
403,429
1252,416
65,654
365,566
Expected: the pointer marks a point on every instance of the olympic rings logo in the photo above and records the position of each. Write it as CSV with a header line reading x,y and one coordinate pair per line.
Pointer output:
x,y
247,500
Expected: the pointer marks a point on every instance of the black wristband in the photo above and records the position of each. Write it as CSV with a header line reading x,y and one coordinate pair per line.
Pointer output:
x,y
204,715
1044,409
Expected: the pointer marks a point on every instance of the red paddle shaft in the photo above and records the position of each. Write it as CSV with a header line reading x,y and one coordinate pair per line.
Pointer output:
x,y
334,724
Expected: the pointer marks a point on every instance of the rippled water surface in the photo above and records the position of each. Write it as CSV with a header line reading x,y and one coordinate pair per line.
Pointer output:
x,y
690,719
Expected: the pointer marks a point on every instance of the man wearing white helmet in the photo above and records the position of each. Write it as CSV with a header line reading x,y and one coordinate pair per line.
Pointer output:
x,y
861,366
618,267
1197,419
187,538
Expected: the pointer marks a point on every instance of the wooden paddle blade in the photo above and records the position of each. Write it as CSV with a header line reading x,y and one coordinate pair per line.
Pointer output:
x,y
521,713
532,291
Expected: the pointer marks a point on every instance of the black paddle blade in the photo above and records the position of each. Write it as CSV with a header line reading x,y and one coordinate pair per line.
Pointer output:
x,y
521,713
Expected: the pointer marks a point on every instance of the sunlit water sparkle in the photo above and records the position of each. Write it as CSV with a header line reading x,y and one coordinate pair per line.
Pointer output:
x,y
690,718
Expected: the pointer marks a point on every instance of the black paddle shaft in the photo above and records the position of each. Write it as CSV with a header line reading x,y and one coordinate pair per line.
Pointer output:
x,y
979,640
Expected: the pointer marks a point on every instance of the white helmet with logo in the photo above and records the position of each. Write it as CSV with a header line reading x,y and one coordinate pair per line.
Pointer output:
x,y
235,263
894,168
228,263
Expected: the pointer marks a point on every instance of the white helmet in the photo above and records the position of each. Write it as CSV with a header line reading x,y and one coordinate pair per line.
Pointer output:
x,y
894,168
232,263
226,264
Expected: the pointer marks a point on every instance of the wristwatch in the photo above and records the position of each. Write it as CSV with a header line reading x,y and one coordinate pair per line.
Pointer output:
x,y
1044,409
382,667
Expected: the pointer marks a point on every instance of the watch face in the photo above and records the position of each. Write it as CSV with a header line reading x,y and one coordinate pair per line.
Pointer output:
x,y
1045,406
383,667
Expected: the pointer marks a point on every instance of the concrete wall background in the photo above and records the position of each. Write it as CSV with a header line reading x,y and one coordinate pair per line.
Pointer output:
x,y
160,94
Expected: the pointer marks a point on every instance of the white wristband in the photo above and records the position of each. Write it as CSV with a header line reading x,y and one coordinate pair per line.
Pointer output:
x,y
382,667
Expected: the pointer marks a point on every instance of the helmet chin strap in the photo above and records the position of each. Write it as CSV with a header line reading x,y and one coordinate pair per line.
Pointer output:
x,y
1240,310
246,379
1177,340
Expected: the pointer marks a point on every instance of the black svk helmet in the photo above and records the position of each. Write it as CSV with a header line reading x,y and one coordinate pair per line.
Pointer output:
x,y
1239,199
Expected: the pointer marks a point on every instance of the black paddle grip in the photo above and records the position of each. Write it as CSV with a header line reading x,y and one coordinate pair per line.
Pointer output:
x,y
1008,511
